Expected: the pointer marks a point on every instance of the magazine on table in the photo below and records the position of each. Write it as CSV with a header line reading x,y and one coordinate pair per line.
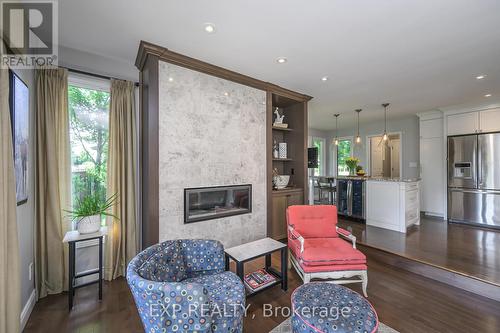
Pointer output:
x,y
258,279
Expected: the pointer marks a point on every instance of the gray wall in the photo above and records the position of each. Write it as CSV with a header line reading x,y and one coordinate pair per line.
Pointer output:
x,y
328,154
26,211
208,138
410,141
97,64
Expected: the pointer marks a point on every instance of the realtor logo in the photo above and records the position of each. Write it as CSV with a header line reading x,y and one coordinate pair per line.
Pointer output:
x,y
29,30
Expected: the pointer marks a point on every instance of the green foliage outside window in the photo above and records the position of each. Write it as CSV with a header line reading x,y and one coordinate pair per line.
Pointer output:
x,y
344,151
89,112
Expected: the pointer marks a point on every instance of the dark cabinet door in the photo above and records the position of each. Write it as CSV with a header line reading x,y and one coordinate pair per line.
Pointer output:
x,y
278,225
295,199
280,204
357,198
342,197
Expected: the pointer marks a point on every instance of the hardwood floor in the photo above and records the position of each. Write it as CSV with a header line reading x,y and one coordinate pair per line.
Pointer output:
x,y
405,301
468,250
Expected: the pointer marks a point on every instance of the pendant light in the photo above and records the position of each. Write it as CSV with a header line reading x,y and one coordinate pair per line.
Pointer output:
x,y
358,138
385,105
337,128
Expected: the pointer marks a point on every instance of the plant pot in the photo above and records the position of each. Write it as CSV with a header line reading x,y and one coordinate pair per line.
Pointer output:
x,y
89,224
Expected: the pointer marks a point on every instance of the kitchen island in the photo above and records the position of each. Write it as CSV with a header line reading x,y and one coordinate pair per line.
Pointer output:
x,y
389,203
392,203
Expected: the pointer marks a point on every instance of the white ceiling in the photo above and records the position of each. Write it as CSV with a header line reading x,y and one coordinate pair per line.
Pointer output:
x,y
415,54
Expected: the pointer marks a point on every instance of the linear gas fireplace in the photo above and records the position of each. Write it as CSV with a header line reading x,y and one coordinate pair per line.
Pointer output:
x,y
206,203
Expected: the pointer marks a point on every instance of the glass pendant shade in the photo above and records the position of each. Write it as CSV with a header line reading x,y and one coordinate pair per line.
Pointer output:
x,y
385,105
358,137
337,128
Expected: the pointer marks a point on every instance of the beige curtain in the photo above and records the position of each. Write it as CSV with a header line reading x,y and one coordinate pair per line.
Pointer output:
x,y
121,244
53,180
10,288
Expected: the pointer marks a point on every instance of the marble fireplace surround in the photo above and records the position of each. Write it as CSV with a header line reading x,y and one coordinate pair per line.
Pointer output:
x,y
212,132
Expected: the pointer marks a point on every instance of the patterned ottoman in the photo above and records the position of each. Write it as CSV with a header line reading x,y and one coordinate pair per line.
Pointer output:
x,y
321,307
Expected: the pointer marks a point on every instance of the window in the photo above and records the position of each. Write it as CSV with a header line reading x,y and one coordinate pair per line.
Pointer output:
x,y
320,143
344,150
88,106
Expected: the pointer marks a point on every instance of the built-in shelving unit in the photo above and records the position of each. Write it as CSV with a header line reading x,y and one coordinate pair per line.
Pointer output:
x,y
282,129
295,165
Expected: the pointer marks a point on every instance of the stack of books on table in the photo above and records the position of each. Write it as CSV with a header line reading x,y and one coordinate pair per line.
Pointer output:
x,y
258,280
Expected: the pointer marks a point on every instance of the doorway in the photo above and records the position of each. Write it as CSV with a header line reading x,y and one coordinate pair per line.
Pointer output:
x,y
385,156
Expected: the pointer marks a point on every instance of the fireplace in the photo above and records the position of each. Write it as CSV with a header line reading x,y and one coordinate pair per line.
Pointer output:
x,y
207,203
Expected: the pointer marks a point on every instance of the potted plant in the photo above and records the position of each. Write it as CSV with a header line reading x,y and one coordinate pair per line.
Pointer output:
x,y
352,163
88,212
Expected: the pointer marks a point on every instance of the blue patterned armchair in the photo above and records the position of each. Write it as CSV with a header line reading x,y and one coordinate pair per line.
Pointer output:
x,y
181,286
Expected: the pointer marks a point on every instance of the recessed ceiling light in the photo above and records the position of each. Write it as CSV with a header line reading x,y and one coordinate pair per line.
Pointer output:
x,y
487,95
324,78
480,77
281,60
170,79
226,94
210,28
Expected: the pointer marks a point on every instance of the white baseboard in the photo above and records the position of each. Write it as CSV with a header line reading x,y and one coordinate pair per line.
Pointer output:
x,y
28,307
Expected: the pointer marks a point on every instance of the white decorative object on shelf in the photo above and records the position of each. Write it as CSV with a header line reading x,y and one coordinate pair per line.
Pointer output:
x,y
282,150
275,150
281,181
279,118
89,224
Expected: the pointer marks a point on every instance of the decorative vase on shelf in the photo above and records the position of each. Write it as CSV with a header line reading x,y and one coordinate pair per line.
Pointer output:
x,y
282,150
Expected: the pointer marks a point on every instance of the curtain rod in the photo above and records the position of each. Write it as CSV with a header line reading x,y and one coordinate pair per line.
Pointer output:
x,y
94,74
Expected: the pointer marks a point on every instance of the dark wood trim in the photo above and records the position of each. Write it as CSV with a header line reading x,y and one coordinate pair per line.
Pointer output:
x,y
269,159
150,152
147,49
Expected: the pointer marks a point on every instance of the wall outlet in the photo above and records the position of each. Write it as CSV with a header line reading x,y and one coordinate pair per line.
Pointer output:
x,y
30,271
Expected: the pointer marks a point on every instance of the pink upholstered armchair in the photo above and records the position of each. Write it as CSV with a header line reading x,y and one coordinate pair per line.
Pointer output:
x,y
319,249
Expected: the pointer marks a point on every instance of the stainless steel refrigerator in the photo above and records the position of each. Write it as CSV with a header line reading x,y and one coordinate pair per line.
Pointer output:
x,y
474,179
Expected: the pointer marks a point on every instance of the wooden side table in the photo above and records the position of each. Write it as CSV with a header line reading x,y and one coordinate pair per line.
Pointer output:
x,y
73,237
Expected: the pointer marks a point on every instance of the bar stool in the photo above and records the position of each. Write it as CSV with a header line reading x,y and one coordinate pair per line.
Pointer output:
x,y
326,185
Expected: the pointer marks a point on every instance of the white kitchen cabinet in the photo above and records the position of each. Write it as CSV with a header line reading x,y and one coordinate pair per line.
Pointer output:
x,y
432,165
431,172
431,128
489,120
463,123
474,122
393,205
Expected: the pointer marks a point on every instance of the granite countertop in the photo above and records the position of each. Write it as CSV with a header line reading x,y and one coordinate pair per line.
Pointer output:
x,y
381,179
